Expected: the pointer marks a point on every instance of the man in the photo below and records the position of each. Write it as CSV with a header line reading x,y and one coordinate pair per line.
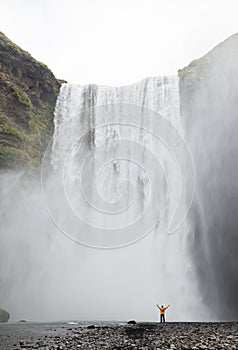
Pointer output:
x,y
162,312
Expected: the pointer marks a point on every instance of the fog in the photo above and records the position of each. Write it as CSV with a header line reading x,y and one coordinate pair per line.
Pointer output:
x,y
45,276
211,113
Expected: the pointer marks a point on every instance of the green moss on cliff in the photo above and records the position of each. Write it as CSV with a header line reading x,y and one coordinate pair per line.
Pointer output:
x,y
37,123
195,71
22,97
42,64
11,157
12,131
28,93
7,43
199,69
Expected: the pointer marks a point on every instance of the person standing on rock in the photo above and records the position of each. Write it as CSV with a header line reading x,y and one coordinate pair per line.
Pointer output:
x,y
162,312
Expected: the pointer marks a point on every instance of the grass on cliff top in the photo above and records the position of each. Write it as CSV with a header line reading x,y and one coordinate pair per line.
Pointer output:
x,y
43,66
62,81
14,49
6,42
197,69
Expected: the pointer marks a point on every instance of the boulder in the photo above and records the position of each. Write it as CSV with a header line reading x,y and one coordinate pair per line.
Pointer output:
x,y
91,326
4,316
131,322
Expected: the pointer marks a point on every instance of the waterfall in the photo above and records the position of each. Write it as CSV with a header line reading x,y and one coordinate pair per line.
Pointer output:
x,y
159,94
107,191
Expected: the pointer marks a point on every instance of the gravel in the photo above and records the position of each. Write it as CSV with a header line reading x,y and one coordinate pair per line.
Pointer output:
x,y
151,336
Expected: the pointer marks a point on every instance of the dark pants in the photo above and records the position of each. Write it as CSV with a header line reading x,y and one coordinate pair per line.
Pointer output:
x,y
162,318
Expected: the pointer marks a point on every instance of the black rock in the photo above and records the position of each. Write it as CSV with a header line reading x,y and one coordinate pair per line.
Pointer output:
x,y
131,322
4,316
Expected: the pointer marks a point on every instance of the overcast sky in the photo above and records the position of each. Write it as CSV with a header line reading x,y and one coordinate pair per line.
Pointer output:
x,y
117,42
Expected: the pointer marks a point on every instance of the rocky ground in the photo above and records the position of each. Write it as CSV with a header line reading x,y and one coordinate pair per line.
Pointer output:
x,y
124,336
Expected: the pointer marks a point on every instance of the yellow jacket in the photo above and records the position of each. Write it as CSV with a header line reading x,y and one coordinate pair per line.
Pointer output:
x,y
162,309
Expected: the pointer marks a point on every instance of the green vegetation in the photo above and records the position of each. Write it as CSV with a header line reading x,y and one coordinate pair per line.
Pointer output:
x,y
33,145
40,132
196,70
62,81
42,64
28,93
10,156
50,108
11,130
22,96
12,46
24,86
37,123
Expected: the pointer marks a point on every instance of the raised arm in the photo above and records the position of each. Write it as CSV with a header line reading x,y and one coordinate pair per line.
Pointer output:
x,y
158,307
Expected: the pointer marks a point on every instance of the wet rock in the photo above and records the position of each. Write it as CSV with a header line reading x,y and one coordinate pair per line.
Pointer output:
x,y
4,316
91,326
131,322
140,336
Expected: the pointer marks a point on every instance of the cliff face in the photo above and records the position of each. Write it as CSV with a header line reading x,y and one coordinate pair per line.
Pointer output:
x,y
209,105
28,92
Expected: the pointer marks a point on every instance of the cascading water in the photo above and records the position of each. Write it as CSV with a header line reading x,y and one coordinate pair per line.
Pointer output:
x,y
159,94
77,282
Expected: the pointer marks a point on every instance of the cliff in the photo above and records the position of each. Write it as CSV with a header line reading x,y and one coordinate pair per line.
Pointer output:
x,y
210,83
209,107
28,92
